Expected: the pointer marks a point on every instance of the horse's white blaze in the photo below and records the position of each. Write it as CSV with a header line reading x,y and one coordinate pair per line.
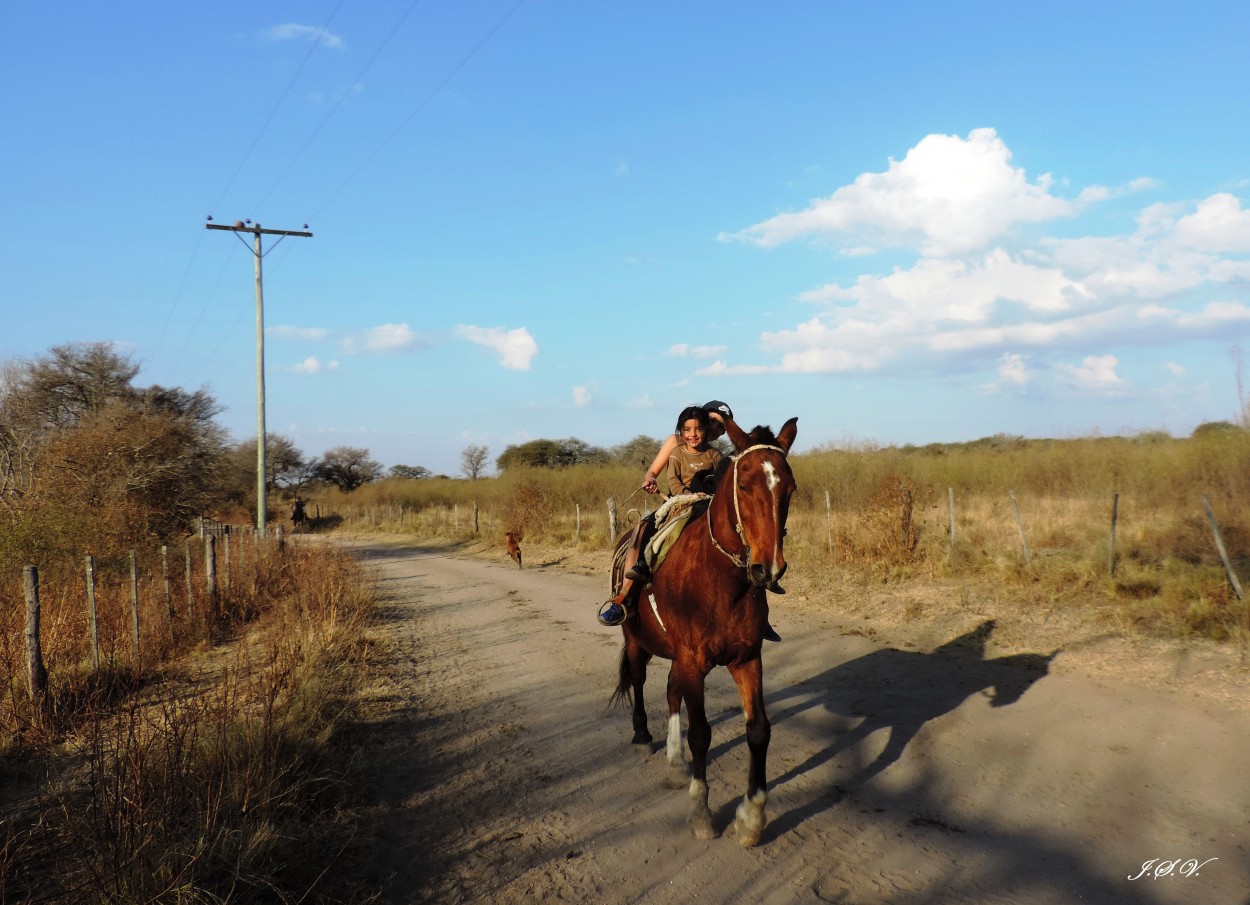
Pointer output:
x,y
673,743
770,475
773,480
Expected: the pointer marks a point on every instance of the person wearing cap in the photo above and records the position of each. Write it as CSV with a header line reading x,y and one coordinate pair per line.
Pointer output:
x,y
718,413
711,418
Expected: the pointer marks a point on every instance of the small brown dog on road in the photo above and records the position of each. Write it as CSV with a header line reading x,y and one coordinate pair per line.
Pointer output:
x,y
514,549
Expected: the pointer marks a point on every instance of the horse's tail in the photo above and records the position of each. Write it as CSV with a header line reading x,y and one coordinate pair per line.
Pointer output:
x,y
624,693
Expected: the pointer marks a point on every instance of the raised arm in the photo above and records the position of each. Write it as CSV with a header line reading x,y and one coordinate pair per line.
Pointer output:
x,y
650,480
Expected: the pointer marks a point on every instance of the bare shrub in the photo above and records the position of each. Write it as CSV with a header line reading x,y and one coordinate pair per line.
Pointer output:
x,y
885,533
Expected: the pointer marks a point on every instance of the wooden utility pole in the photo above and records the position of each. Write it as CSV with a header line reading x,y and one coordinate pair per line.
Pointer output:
x,y
241,226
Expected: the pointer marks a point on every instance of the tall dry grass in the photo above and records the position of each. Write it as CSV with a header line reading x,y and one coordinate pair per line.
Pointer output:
x,y
209,775
874,515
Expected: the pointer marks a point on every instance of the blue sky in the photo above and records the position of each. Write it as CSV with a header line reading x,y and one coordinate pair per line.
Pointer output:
x,y
902,222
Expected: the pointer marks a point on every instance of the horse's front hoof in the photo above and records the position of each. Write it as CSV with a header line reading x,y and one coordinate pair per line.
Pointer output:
x,y
748,825
747,837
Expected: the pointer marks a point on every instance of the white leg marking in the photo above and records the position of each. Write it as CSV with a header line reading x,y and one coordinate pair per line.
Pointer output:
x,y
673,746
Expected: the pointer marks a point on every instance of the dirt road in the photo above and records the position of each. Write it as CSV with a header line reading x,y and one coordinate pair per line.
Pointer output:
x,y
944,773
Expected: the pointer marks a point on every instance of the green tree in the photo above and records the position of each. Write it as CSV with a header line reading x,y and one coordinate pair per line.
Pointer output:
x,y
409,472
637,453
89,461
552,454
348,467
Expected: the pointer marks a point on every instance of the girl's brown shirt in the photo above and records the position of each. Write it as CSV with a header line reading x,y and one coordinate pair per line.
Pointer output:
x,y
683,465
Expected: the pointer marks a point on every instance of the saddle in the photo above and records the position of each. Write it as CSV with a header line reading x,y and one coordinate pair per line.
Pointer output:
x,y
670,520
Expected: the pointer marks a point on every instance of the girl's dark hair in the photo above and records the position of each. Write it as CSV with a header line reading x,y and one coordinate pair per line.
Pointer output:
x,y
695,412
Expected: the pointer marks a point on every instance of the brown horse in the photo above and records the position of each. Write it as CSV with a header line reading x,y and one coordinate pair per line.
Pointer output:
x,y
705,607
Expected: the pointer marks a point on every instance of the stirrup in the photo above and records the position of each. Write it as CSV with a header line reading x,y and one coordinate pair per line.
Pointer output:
x,y
612,614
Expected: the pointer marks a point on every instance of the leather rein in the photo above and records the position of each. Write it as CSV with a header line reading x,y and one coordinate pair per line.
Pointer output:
x,y
739,560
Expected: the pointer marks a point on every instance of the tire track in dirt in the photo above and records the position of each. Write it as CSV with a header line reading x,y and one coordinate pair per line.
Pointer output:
x,y
493,772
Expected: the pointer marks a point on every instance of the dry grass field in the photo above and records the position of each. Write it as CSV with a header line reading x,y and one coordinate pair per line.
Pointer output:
x,y
203,766
1032,522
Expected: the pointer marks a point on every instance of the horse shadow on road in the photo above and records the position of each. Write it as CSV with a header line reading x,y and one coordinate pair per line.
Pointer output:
x,y
899,691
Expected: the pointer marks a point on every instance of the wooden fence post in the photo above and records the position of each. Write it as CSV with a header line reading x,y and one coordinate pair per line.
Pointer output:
x,y
829,522
36,672
1219,546
166,583
577,528
190,583
210,571
475,529
226,540
611,520
134,597
93,623
1115,516
950,504
1024,541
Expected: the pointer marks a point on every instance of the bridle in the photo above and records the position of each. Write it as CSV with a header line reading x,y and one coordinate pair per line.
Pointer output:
x,y
739,560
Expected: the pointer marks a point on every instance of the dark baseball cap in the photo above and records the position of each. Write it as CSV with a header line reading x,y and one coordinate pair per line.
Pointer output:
x,y
720,408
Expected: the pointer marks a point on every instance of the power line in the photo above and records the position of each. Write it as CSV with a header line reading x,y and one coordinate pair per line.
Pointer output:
x,y
177,299
278,104
421,106
333,110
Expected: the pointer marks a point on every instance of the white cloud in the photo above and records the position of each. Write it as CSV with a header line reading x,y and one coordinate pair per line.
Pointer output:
x,y
581,396
289,31
304,334
641,402
949,195
1012,369
1218,225
977,294
683,350
720,369
1096,373
384,339
516,348
1174,369
311,365
958,291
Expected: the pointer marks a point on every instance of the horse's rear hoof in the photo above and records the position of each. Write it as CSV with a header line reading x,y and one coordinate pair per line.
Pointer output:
x,y
703,828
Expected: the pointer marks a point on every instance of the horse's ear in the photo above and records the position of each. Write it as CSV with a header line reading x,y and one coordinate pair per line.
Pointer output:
x,y
737,437
788,432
